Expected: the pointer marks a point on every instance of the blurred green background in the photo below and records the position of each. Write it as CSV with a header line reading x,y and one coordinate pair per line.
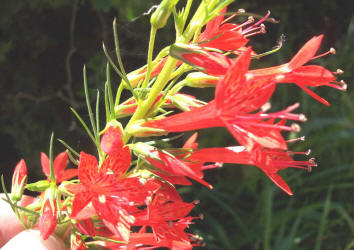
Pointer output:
x,y
44,44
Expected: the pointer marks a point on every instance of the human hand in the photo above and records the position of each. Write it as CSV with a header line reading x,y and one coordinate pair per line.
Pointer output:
x,y
14,237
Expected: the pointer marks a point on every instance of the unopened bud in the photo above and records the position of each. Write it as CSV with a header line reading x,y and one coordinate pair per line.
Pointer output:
x,y
38,186
162,13
200,80
19,180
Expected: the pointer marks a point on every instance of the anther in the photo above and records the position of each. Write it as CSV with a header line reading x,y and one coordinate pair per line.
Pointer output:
x,y
344,85
266,106
102,199
196,202
295,127
339,72
302,118
241,11
332,51
148,200
251,19
263,28
312,162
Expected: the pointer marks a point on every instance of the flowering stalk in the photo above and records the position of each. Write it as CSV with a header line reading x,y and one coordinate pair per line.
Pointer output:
x,y
126,196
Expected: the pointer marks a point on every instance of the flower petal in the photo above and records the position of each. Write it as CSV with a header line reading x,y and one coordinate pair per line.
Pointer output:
x,y
111,142
306,52
45,164
88,169
60,163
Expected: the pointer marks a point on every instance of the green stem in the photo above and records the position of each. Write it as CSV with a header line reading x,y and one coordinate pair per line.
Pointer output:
x,y
149,59
52,175
119,93
158,86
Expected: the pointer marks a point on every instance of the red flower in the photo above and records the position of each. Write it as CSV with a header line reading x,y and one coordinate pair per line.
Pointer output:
x,y
160,214
59,165
177,169
19,180
270,161
235,98
223,36
48,219
295,72
102,192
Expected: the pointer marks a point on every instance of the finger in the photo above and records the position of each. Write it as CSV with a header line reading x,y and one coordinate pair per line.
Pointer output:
x,y
31,239
9,223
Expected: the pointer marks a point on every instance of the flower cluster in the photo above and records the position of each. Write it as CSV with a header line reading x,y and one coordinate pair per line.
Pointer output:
x,y
126,196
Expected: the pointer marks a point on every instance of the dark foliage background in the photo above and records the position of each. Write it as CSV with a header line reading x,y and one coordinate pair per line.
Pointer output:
x,y
44,44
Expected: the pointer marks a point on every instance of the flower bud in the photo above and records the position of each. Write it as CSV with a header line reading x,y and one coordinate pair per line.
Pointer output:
x,y
201,80
48,220
137,129
19,180
162,13
76,242
38,186
212,63
185,102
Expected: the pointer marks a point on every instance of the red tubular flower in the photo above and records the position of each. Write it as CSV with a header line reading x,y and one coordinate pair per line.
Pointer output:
x,y
235,98
223,36
143,240
160,214
48,219
106,193
59,164
176,168
270,161
19,180
295,72
98,191
210,62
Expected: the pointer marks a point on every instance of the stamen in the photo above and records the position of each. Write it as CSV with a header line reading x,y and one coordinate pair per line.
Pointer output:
x,y
241,11
229,18
330,51
211,166
255,33
249,21
259,22
343,86
302,138
307,152
338,72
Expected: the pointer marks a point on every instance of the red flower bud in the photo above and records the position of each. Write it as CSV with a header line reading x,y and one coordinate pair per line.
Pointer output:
x,y
19,180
